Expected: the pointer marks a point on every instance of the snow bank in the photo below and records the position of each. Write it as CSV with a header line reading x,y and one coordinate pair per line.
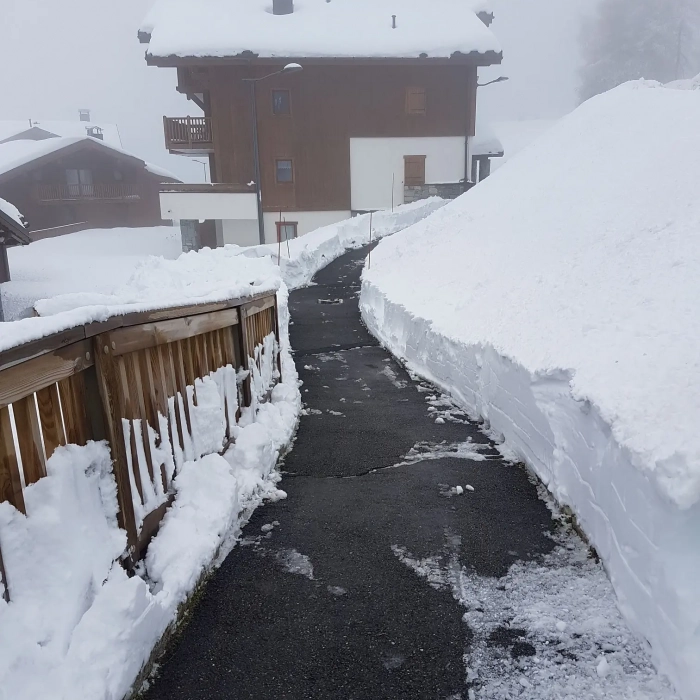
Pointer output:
x,y
317,28
209,276
96,260
312,252
558,300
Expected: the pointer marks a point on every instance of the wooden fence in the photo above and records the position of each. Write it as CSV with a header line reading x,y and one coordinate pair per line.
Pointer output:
x,y
132,381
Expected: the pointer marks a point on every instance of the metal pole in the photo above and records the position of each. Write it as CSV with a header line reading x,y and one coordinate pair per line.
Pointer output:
x,y
256,159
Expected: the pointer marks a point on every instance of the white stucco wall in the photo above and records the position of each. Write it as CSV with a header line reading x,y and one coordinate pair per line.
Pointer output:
x,y
243,232
374,161
202,206
308,221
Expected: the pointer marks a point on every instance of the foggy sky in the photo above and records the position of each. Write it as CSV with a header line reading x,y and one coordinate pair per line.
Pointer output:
x,y
58,56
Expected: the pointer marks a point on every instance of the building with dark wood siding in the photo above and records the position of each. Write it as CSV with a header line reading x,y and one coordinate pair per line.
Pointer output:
x,y
63,185
383,111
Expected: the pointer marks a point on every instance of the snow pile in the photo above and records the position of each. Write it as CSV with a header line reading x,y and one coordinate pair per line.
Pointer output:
x,y
97,260
77,627
548,630
558,300
317,28
210,276
312,252
11,210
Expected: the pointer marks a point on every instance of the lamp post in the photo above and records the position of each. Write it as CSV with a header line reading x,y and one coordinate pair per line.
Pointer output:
x,y
253,82
502,79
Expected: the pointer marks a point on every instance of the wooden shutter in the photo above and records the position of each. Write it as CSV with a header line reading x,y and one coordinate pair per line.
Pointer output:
x,y
415,101
414,170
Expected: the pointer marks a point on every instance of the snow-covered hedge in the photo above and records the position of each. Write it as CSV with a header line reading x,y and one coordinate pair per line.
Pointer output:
x,y
559,301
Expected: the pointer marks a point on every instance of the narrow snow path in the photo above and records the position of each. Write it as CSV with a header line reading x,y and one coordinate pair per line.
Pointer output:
x,y
410,559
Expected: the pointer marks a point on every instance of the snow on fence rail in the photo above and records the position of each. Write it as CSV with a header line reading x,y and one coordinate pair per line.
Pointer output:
x,y
144,382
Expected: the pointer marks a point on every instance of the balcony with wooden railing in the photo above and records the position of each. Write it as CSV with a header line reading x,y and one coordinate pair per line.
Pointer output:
x,y
189,135
111,192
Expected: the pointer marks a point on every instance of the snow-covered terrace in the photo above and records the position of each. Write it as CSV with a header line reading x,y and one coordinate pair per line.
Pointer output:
x,y
320,29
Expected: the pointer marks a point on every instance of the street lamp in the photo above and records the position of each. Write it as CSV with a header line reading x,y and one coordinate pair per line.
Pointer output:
x,y
502,79
289,68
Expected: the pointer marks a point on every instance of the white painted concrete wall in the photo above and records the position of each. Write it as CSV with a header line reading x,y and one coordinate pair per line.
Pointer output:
x,y
243,232
308,221
374,161
204,206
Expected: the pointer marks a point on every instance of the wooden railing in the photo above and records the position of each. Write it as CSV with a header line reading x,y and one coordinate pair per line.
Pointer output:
x,y
190,133
132,380
115,192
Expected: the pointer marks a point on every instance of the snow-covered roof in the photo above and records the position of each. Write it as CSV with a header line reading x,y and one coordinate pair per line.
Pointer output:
x,y
486,141
319,29
76,128
12,223
15,154
692,84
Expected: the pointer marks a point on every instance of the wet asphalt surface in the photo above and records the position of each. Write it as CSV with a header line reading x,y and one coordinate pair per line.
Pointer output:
x,y
321,606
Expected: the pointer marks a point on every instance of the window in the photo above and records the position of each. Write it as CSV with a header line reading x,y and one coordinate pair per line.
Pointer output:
x,y
281,102
414,171
286,230
80,183
284,171
415,101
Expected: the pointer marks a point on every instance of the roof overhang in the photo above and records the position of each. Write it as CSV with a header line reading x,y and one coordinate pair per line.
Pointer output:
x,y
73,146
11,232
489,58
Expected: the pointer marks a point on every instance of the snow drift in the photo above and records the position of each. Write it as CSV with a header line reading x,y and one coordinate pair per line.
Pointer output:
x,y
558,300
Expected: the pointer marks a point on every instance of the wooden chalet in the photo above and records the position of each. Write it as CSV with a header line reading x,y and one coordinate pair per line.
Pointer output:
x,y
384,110
67,184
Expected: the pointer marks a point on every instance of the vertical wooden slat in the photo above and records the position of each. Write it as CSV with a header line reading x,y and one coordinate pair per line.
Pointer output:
x,y
138,391
161,392
51,420
229,345
31,447
217,350
179,359
130,412
244,346
277,336
112,402
185,347
3,575
206,364
72,391
10,479
150,398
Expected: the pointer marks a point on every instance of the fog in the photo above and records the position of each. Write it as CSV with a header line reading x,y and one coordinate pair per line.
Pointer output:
x,y
60,56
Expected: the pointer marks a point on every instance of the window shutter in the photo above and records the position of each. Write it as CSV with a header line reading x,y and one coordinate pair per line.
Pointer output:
x,y
414,170
416,101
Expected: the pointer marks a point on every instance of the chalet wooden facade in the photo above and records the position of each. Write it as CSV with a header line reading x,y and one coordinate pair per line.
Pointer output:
x,y
68,184
348,133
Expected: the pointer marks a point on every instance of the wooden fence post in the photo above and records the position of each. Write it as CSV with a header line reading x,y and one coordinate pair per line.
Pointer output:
x,y
246,352
113,410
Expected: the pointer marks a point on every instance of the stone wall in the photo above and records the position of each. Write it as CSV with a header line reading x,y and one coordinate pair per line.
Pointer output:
x,y
414,193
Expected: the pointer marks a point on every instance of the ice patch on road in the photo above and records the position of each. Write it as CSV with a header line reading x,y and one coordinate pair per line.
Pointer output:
x,y
394,377
548,630
295,563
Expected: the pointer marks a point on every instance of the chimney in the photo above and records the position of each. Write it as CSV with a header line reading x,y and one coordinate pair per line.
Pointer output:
x,y
84,115
282,7
96,133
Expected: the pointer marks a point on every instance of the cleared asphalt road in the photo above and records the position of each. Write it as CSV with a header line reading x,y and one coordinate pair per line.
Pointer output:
x,y
324,605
